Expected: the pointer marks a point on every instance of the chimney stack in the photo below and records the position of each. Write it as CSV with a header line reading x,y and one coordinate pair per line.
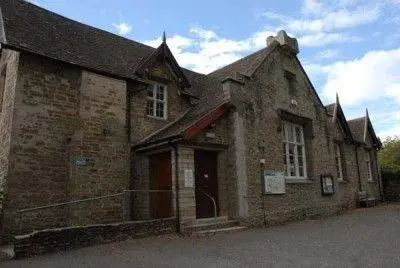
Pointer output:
x,y
285,41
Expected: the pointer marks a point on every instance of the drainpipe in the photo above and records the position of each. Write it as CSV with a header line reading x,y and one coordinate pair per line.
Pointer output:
x,y
379,175
178,226
262,162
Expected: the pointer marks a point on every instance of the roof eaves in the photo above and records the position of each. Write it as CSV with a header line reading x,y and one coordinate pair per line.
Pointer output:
x,y
165,127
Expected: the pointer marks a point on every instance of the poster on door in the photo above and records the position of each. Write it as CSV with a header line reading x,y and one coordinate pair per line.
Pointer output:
x,y
274,182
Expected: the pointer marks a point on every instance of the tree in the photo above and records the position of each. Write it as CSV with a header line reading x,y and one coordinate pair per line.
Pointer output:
x,y
389,155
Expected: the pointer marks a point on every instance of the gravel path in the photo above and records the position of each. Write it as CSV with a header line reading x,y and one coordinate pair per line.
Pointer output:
x,y
360,238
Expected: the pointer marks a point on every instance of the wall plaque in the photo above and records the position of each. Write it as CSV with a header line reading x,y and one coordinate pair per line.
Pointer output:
x,y
81,161
327,185
274,182
189,178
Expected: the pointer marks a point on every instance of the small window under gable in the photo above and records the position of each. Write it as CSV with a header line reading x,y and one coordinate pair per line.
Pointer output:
x,y
291,82
368,165
157,101
338,162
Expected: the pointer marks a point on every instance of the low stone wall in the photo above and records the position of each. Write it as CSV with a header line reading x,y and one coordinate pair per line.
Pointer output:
x,y
299,213
53,240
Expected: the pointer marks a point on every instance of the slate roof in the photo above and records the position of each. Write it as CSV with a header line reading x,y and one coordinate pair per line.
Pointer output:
x,y
27,27
357,128
330,108
33,29
211,98
246,65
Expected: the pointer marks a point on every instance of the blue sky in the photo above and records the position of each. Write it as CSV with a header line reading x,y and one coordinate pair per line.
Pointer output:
x,y
347,46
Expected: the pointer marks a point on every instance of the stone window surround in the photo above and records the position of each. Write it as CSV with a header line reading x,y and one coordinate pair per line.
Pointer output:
x,y
307,124
297,142
368,165
155,101
291,81
338,153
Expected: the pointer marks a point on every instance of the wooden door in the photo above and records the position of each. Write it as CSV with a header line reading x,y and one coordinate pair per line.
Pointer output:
x,y
206,182
161,179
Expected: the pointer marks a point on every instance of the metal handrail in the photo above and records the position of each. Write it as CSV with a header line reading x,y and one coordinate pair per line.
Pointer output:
x,y
214,203
87,199
124,204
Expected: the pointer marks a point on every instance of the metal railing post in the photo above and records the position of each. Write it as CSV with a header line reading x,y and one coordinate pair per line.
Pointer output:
x,y
214,203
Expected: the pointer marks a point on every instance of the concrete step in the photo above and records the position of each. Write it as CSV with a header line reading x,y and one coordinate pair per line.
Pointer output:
x,y
220,230
210,226
220,219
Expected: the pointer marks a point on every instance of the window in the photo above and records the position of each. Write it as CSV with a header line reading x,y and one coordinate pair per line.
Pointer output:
x,y
294,151
291,82
368,164
338,162
157,101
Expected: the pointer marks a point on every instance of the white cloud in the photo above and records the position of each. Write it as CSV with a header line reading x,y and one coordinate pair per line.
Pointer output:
x,y
371,77
390,132
203,33
328,54
320,16
209,51
311,7
122,28
322,39
333,20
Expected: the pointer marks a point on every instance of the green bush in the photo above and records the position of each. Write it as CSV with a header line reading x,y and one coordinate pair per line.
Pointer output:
x,y
389,155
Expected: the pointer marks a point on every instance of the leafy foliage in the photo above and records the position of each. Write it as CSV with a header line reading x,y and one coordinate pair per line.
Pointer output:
x,y
389,155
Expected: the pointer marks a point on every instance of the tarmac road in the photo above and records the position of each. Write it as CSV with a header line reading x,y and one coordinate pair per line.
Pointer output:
x,y
361,238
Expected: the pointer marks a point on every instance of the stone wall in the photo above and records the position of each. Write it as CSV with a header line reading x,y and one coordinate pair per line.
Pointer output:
x,y
259,104
370,187
143,125
45,117
187,201
54,240
217,134
69,142
102,139
9,71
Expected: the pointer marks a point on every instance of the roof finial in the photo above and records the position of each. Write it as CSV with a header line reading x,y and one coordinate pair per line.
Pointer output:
x,y
366,112
337,97
164,38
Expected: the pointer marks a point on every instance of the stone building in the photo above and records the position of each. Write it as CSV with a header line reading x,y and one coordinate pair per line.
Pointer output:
x,y
86,113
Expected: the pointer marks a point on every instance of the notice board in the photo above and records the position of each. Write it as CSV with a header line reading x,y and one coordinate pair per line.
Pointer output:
x,y
274,182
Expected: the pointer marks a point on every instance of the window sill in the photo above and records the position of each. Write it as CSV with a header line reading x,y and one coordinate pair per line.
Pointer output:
x,y
343,181
369,181
297,181
157,118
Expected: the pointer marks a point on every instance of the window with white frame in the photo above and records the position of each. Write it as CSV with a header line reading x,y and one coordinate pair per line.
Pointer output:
x,y
157,101
294,151
368,164
338,162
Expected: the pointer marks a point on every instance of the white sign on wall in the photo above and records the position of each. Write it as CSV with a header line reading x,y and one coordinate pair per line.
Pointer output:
x,y
274,182
189,178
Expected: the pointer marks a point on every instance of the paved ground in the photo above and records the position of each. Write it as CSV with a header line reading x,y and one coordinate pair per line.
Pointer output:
x,y
361,238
